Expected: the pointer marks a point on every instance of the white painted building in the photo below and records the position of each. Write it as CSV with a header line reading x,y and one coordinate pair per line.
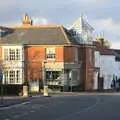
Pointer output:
x,y
117,65
108,68
13,64
97,69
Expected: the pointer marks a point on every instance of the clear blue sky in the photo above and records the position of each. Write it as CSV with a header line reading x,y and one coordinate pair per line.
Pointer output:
x,y
104,15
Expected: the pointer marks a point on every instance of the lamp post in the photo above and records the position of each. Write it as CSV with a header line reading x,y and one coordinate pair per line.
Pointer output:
x,y
1,78
44,75
45,86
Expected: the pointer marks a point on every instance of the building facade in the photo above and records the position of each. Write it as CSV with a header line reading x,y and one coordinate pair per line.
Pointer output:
x,y
39,55
13,64
49,54
107,67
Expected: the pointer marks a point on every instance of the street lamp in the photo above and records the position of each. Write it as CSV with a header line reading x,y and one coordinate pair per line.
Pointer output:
x,y
44,75
45,86
1,78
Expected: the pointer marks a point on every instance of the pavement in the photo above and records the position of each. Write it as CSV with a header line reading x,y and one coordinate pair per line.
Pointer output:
x,y
72,107
83,93
91,93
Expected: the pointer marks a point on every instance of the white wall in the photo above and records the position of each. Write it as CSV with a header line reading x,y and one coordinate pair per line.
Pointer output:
x,y
117,72
97,65
107,69
95,87
97,58
14,64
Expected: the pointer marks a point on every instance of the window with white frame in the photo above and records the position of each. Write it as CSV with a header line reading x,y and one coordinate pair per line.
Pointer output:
x,y
11,54
17,76
17,54
50,53
6,54
12,77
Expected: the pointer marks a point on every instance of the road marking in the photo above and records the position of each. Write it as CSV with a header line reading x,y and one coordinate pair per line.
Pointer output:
x,y
16,106
90,107
16,116
7,119
25,114
33,107
24,103
32,111
83,110
43,106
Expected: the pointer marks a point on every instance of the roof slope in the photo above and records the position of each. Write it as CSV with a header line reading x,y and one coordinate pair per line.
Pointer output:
x,y
105,51
40,35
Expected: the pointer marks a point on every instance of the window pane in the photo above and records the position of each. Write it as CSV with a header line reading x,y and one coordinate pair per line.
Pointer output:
x,y
50,53
11,54
17,54
17,76
12,77
6,54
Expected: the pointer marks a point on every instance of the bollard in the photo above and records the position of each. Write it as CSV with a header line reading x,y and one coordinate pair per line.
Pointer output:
x,y
25,91
46,93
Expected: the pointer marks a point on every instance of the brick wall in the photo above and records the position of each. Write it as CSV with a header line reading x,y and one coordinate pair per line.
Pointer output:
x,y
69,54
34,56
87,57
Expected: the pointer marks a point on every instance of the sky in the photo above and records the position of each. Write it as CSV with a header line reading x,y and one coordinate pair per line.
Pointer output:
x,y
103,15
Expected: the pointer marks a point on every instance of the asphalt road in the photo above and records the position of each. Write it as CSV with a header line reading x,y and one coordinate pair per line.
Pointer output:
x,y
80,107
12,101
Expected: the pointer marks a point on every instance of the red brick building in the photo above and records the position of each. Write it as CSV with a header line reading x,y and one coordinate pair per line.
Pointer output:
x,y
45,55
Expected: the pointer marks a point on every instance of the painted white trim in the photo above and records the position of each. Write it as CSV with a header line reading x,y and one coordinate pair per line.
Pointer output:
x,y
14,64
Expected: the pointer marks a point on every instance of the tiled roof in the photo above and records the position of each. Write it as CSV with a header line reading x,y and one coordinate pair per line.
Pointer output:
x,y
104,51
37,35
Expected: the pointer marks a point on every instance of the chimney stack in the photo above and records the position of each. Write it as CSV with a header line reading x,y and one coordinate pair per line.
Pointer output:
x,y
27,20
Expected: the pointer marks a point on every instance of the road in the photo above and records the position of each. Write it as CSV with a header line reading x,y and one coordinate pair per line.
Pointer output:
x,y
79,107
7,101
